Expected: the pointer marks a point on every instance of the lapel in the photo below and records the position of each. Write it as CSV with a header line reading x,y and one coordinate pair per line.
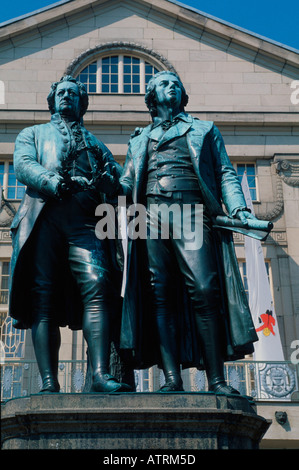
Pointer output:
x,y
182,126
88,140
138,148
176,131
198,133
195,140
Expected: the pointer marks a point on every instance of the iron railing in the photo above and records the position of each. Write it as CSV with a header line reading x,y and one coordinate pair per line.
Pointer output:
x,y
264,381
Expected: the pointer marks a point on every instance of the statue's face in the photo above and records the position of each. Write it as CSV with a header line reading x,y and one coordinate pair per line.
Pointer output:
x,y
67,100
168,90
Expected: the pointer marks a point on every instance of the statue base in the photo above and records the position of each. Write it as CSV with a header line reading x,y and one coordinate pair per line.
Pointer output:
x,y
190,420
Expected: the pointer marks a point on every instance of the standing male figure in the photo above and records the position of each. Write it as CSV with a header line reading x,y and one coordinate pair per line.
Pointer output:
x,y
180,159
61,273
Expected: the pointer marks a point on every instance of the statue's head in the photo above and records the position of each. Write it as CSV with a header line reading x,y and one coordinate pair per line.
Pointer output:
x,y
151,97
69,97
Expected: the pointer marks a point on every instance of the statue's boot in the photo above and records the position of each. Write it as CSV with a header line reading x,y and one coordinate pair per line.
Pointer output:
x,y
97,335
169,349
46,342
107,383
209,334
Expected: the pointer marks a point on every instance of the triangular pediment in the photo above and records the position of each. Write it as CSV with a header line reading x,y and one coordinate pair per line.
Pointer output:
x,y
224,69
205,28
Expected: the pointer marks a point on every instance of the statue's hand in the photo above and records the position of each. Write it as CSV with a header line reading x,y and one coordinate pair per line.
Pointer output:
x,y
108,182
72,185
51,183
79,183
63,189
244,215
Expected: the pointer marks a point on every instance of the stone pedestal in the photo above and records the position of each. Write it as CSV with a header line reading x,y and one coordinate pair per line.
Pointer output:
x,y
131,421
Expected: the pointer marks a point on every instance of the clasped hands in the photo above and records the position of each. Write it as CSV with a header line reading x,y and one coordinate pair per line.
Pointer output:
x,y
104,182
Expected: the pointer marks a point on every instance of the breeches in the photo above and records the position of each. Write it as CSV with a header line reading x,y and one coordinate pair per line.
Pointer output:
x,y
65,235
197,266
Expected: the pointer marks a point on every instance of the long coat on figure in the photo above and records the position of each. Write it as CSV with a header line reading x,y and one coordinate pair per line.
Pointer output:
x,y
37,160
219,184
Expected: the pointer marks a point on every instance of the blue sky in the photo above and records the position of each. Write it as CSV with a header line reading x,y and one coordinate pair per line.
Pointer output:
x,y
274,19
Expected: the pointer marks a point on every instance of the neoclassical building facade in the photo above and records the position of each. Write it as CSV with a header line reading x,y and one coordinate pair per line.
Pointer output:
x,y
246,84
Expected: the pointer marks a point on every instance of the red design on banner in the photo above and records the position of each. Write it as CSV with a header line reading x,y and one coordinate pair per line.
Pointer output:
x,y
268,323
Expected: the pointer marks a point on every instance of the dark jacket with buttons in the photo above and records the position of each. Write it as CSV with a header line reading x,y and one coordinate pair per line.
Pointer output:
x,y
38,154
219,184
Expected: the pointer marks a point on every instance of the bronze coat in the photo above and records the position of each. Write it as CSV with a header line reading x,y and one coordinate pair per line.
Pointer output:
x,y
37,158
219,184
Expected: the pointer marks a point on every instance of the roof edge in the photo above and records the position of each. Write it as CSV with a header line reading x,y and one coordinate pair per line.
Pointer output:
x,y
34,12
265,43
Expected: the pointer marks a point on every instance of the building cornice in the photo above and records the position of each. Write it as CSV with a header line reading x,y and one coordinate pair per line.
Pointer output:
x,y
131,117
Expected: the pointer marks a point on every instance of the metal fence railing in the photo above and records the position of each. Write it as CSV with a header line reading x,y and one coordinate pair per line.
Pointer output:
x,y
274,381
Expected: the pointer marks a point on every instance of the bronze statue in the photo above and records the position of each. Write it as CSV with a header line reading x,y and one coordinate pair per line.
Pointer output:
x,y
61,273
199,314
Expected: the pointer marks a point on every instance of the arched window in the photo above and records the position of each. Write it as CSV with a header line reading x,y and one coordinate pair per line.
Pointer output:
x,y
119,73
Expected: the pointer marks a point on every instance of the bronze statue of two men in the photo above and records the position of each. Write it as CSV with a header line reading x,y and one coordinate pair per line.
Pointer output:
x,y
181,307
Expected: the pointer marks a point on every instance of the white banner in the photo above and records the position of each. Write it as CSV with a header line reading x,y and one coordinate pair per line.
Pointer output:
x,y
123,228
269,347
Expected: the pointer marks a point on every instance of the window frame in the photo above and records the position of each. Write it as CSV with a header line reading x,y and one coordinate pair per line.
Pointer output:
x,y
235,164
12,339
143,61
6,186
4,305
